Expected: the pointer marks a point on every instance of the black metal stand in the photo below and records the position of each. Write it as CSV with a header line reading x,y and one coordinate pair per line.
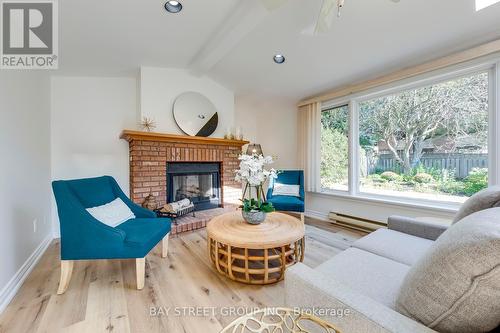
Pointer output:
x,y
174,216
261,189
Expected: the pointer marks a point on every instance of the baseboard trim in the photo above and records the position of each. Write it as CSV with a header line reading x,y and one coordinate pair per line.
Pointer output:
x,y
317,215
10,290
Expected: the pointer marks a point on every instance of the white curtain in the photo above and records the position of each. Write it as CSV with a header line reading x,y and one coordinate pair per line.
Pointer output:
x,y
309,144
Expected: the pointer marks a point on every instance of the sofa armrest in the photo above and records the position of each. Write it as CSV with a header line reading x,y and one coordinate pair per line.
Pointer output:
x,y
349,311
411,226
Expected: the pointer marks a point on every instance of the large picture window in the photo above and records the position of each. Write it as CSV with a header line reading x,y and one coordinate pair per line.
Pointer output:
x,y
429,142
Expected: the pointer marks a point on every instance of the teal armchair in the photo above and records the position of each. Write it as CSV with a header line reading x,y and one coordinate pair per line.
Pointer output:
x,y
85,238
288,203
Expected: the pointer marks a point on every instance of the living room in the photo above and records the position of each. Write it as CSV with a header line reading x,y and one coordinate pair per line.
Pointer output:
x,y
250,166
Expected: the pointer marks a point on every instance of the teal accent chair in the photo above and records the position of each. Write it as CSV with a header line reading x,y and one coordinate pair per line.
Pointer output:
x,y
85,238
288,203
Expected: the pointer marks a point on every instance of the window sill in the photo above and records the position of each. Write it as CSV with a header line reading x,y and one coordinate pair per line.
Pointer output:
x,y
437,206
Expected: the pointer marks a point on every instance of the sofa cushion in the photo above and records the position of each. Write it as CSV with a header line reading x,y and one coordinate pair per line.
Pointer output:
x,y
287,203
145,232
374,276
395,245
455,287
487,198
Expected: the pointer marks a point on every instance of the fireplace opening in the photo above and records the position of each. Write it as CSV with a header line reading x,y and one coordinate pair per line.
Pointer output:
x,y
197,181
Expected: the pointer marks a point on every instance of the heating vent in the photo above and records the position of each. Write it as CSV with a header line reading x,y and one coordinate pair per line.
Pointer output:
x,y
356,223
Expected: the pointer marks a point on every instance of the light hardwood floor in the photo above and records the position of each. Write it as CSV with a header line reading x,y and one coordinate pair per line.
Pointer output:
x,y
102,297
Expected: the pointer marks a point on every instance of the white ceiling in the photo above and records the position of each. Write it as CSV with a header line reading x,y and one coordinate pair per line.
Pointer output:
x,y
234,41
116,37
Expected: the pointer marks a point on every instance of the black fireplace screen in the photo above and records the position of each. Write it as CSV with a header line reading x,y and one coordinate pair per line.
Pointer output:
x,y
199,182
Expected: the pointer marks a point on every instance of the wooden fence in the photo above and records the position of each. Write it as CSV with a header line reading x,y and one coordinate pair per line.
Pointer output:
x,y
461,164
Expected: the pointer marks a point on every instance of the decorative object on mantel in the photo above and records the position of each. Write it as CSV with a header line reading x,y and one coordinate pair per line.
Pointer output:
x,y
238,134
254,149
229,134
253,173
148,124
150,202
195,114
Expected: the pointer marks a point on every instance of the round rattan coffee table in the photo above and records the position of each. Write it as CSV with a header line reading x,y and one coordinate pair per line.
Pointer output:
x,y
255,254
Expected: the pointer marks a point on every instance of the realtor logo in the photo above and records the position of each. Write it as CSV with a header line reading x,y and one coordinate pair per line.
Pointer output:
x,y
29,34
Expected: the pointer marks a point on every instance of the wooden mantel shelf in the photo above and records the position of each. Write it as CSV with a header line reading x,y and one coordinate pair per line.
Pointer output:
x,y
131,135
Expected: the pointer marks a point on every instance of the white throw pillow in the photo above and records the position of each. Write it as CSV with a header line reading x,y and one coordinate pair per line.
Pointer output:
x,y
285,189
112,213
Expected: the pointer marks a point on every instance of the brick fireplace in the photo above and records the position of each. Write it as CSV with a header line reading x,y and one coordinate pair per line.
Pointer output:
x,y
151,152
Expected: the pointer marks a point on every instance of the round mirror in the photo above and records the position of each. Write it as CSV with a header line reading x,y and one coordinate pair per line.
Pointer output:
x,y
195,114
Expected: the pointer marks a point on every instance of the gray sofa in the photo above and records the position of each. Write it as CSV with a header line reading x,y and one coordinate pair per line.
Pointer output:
x,y
446,276
362,282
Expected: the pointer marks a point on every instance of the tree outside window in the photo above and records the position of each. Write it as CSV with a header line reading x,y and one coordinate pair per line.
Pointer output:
x,y
431,141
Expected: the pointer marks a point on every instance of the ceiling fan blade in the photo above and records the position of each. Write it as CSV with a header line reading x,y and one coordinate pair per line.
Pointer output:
x,y
325,17
272,4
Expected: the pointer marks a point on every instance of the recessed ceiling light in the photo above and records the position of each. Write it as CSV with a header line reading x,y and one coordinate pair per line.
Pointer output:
x,y
279,58
173,6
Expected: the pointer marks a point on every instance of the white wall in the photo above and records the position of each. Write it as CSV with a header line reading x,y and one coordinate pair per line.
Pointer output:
x,y
88,115
271,122
24,171
160,86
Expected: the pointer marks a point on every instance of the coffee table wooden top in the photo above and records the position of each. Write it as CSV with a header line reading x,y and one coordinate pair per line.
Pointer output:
x,y
278,229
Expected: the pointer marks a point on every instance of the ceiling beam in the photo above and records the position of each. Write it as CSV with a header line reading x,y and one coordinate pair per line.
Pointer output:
x,y
242,20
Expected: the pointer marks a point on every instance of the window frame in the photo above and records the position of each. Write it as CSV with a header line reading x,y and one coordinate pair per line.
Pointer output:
x,y
492,67
350,157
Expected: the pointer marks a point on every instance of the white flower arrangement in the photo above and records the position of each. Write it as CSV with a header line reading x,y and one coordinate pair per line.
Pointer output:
x,y
252,170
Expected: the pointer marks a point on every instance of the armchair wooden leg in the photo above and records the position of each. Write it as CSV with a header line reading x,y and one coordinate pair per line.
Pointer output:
x,y
302,218
66,271
164,246
140,272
